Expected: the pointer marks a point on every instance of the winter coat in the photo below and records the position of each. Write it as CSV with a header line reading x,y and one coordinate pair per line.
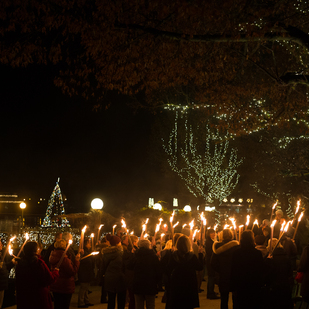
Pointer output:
x,y
208,246
113,269
279,280
304,267
221,262
147,275
183,289
86,267
32,284
67,271
247,276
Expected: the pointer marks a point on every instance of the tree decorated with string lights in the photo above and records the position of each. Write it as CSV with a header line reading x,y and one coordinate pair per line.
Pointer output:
x,y
208,169
245,61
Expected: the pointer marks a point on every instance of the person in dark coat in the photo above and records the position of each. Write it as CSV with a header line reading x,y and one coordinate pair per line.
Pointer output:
x,y
210,237
247,273
279,279
145,265
85,275
304,268
4,275
113,271
64,286
33,278
182,292
221,262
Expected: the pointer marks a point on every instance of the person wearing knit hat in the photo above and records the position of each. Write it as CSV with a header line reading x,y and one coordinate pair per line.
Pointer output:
x,y
113,272
279,220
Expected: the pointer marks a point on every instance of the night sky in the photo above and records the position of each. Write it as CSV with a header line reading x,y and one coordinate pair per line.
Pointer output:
x,y
46,134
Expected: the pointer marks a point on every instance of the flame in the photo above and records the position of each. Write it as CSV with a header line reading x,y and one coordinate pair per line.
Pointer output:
x,y
165,225
144,227
70,241
275,205
273,223
12,238
241,226
162,235
175,224
132,233
300,216
10,250
184,225
191,224
84,228
92,235
146,235
101,226
27,236
256,222
226,226
282,226
287,226
147,221
202,216
248,220
95,253
195,232
233,222
172,217
123,223
297,208
157,228
215,227
160,220
204,221
114,226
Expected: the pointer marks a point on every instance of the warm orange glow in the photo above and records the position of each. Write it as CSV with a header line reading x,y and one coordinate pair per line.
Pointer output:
x,y
273,223
191,224
175,224
123,223
275,205
256,222
157,228
300,217
101,226
92,235
84,228
248,220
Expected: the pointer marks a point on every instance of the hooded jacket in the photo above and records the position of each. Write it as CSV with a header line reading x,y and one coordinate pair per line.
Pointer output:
x,y
221,262
113,269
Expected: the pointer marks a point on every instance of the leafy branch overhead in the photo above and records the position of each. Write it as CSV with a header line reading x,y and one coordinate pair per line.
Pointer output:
x,y
223,53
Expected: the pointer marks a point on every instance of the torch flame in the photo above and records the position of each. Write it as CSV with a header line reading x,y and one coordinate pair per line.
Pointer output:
x,y
184,225
273,223
70,241
144,227
95,253
101,226
204,221
194,233
10,250
256,222
300,216
114,226
297,208
172,217
27,236
132,233
160,220
123,223
215,227
162,235
248,220
12,238
147,221
146,235
226,226
282,226
92,235
275,205
191,224
287,226
84,228
241,226
157,228
175,224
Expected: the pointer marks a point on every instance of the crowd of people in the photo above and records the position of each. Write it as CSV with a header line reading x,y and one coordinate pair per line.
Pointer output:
x,y
257,271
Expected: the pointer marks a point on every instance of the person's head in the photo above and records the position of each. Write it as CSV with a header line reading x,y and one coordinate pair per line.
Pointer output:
x,y
247,239
60,244
134,240
265,222
125,240
58,236
265,231
279,214
168,245
115,240
186,231
227,235
183,244
87,244
67,236
30,249
211,233
176,236
144,243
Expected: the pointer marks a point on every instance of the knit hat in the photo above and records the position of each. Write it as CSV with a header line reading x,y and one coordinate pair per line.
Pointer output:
x,y
144,243
279,212
114,240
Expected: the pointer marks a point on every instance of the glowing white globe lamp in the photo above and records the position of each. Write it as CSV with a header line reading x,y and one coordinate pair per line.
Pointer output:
x,y
96,203
157,206
187,208
22,205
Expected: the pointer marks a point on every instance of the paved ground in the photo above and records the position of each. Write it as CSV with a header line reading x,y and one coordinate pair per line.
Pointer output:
x,y
95,297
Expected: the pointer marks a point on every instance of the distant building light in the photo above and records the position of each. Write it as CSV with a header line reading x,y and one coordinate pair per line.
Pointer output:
x,y
175,202
232,200
240,200
187,208
207,208
225,200
157,206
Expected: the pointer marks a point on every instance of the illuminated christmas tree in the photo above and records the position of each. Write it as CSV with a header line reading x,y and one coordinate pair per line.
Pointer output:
x,y
209,171
55,208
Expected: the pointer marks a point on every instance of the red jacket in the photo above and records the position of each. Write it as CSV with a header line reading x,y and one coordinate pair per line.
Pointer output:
x,y
32,280
67,271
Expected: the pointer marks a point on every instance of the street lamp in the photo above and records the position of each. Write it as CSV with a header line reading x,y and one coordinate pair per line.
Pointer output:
x,y
22,206
97,204
187,208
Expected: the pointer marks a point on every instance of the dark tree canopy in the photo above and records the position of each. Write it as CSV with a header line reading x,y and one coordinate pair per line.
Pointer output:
x,y
244,61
